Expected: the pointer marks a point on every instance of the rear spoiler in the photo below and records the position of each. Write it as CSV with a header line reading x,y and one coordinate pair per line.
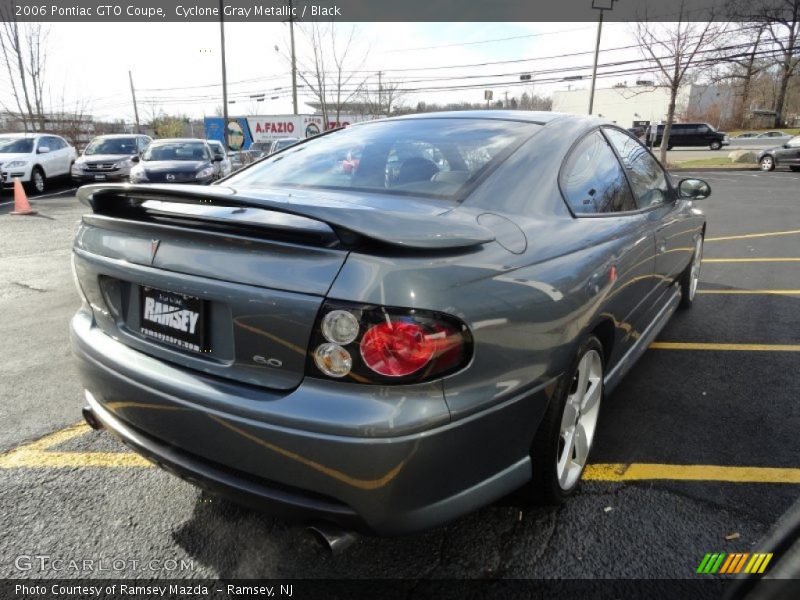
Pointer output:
x,y
419,230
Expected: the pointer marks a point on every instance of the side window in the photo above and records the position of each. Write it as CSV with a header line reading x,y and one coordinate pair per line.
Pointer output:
x,y
646,175
593,181
703,129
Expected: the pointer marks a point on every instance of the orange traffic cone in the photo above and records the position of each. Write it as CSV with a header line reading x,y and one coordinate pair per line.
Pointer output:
x,y
21,205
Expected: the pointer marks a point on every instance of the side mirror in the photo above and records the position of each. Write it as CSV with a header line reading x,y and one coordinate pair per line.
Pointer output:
x,y
218,158
135,159
694,189
43,150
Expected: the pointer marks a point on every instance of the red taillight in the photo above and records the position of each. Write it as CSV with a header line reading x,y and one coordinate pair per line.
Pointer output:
x,y
388,343
397,349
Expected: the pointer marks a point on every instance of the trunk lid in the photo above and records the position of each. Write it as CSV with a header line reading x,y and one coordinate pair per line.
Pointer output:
x,y
225,284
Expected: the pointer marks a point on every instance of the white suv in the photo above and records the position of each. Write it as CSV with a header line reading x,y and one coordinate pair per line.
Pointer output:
x,y
34,158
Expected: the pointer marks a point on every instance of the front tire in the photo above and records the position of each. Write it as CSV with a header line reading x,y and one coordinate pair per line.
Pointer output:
x,y
715,145
562,443
38,183
690,278
767,163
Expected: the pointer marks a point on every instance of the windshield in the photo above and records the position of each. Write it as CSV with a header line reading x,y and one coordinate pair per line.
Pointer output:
x,y
260,145
176,151
112,146
16,146
431,157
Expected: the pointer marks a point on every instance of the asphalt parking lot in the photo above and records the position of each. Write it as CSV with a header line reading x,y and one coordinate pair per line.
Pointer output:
x,y
696,453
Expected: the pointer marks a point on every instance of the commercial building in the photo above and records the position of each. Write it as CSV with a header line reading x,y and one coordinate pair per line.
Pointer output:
x,y
641,104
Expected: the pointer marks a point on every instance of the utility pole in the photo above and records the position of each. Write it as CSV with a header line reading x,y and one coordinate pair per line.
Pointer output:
x,y
506,93
294,59
224,76
601,5
380,92
135,107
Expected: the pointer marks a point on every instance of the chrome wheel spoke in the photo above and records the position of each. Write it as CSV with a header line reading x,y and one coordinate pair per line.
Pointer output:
x,y
564,465
581,444
570,415
592,397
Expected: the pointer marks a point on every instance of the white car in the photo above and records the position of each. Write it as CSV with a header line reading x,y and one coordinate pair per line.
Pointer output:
x,y
224,167
34,158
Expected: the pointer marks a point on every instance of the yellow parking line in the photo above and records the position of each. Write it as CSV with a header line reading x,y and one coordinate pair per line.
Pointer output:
x,y
37,454
762,292
709,346
749,260
639,471
752,235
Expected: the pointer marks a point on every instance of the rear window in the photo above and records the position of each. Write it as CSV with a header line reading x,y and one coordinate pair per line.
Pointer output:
x,y
427,157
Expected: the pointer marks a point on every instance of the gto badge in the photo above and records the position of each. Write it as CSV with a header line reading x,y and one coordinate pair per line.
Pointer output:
x,y
170,177
270,362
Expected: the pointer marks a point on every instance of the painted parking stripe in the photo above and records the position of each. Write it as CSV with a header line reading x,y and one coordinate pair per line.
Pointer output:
x,y
724,347
642,471
749,260
752,235
752,292
38,455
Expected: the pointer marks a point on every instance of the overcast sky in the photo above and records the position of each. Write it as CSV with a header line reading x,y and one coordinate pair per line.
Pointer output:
x,y
176,66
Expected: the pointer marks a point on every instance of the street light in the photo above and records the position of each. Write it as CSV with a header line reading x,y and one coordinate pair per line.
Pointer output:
x,y
601,5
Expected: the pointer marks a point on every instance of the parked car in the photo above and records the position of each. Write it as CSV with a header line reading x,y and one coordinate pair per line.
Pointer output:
x,y
745,136
239,158
690,134
34,158
282,143
109,158
260,149
772,134
385,354
786,155
176,161
224,166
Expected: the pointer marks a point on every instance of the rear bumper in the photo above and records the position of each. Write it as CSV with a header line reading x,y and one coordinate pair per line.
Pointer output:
x,y
387,485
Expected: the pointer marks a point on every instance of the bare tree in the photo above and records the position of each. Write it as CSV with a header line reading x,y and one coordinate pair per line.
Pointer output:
x,y
23,52
381,99
673,49
783,26
327,72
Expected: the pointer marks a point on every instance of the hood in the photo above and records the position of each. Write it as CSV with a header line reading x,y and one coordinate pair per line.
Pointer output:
x,y
395,220
103,158
173,166
7,158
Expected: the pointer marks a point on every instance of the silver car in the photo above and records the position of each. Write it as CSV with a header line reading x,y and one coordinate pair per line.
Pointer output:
x,y
317,339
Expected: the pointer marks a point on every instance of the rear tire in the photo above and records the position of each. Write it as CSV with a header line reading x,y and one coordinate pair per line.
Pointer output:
x,y
795,169
690,277
562,444
767,163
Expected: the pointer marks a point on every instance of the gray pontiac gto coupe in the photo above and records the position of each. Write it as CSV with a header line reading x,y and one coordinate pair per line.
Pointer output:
x,y
386,326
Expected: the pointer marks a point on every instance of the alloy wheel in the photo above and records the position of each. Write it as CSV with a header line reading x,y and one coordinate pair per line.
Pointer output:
x,y
579,420
694,276
38,181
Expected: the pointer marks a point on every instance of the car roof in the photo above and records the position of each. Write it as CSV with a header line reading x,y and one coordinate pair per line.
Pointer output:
x,y
178,140
117,135
23,135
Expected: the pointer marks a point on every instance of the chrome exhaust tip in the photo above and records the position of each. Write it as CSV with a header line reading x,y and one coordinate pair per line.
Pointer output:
x,y
90,418
332,537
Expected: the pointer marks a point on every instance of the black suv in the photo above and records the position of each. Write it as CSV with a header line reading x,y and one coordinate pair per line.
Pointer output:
x,y
689,134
